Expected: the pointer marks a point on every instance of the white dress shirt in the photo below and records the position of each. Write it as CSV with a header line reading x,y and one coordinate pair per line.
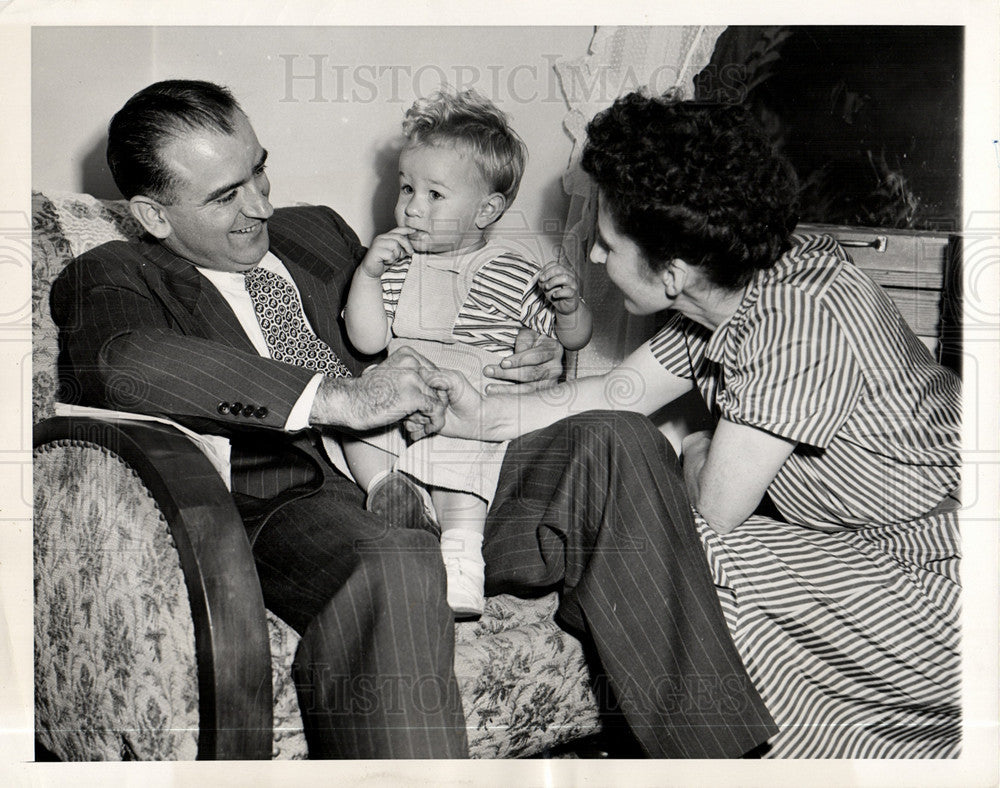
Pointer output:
x,y
230,285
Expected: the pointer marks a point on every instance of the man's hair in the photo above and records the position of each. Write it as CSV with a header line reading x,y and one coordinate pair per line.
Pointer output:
x,y
695,181
476,126
153,117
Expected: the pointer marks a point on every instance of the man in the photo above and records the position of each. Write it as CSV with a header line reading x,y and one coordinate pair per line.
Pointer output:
x,y
226,320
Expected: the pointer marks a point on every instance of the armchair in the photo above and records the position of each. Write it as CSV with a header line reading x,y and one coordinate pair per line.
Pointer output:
x,y
151,637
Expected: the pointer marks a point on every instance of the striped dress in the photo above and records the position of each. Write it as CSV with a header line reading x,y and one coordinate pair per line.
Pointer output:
x,y
846,612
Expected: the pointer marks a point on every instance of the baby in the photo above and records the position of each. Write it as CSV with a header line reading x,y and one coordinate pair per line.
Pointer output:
x,y
437,284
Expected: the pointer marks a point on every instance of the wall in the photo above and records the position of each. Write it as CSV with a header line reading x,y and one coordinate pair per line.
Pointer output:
x,y
325,102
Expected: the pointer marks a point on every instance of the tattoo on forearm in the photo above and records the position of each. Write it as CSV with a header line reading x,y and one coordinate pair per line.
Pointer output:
x,y
379,394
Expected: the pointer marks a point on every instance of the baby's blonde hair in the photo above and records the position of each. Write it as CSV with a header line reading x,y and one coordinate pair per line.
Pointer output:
x,y
473,123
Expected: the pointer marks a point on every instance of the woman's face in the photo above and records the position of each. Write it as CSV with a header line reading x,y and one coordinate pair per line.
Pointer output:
x,y
642,287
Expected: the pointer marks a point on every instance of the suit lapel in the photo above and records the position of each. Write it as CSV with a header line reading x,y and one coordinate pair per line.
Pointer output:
x,y
201,310
193,301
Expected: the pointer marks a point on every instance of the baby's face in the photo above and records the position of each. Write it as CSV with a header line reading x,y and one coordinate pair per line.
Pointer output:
x,y
441,196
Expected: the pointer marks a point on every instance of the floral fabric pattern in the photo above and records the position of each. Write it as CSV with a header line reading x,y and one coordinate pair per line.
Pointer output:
x,y
63,226
49,253
115,667
524,683
289,739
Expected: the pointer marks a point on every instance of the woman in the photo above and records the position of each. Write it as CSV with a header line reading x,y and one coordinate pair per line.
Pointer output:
x,y
845,607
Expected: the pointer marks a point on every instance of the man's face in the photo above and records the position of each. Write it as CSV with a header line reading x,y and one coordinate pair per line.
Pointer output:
x,y
441,196
218,217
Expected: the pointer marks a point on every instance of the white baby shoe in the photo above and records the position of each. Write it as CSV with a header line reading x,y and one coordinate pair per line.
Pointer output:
x,y
461,550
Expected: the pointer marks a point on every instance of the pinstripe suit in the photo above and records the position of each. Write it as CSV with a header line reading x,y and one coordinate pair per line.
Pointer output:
x,y
142,330
593,506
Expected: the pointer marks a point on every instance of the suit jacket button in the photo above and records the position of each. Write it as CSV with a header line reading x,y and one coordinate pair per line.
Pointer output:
x,y
249,410
236,408
223,408
261,412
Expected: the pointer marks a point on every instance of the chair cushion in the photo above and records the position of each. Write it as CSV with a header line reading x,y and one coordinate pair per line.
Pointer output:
x,y
115,668
524,684
289,739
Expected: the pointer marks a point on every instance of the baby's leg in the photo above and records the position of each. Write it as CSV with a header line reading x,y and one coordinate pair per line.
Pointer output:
x,y
397,497
462,517
367,462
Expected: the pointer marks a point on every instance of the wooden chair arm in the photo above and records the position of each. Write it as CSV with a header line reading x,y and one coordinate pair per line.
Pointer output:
x,y
231,639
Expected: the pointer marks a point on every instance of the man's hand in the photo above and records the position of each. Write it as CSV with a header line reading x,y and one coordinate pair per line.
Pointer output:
x,y
466,412
384,394
535,364
387,249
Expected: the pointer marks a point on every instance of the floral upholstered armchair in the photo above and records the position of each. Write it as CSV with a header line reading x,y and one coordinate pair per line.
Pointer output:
x,y
151,638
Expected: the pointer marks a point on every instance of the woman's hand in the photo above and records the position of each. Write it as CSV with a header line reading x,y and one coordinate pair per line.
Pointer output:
x,y
727,472
535,364
465,412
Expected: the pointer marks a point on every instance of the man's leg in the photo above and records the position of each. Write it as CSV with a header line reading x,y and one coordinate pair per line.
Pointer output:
x,y
596,505
375,667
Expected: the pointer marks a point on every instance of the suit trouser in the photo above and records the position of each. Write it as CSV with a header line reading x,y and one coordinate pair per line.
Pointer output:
x,y
375,665
593,505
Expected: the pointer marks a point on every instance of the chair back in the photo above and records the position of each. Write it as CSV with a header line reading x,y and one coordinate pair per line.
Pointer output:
x,y
64,225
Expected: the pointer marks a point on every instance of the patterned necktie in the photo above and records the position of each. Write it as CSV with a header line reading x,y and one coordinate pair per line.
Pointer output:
x,y
282,321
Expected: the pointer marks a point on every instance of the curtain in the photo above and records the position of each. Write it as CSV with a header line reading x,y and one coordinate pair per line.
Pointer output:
x,y
619,60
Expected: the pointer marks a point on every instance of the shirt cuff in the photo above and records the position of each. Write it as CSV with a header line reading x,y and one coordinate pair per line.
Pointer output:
x,y
298,418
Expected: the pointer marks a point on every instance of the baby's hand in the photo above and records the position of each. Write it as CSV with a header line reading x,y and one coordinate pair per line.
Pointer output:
x,y
386,249
561,288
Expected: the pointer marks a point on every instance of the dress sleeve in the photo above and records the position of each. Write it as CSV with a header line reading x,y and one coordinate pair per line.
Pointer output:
x,y
793,373
680,346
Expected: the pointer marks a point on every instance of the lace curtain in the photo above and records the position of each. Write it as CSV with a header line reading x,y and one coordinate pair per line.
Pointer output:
x,y
619,60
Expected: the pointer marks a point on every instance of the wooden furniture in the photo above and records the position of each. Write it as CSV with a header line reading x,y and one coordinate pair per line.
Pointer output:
x,y
230,632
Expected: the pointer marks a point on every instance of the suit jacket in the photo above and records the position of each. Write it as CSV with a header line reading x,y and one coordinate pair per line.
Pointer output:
x,y
141,330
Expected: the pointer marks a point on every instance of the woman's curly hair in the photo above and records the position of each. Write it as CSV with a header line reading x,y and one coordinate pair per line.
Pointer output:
x,y
695,181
